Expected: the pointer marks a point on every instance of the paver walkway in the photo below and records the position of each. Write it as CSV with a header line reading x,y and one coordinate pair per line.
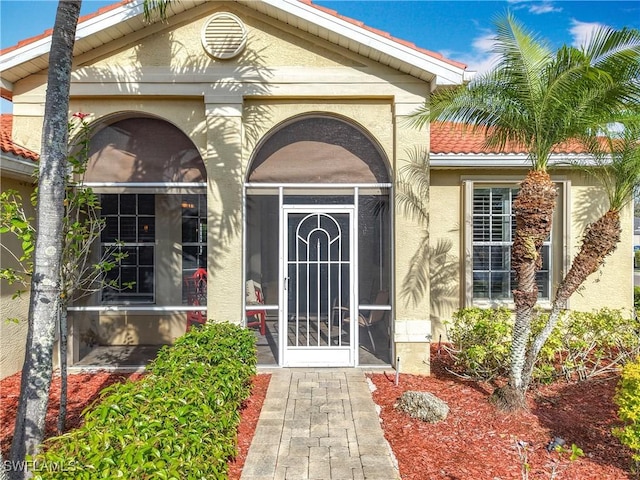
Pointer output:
x,y
319,424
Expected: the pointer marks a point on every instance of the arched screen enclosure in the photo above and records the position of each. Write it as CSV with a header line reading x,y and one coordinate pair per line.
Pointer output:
x,y
318,245
151,181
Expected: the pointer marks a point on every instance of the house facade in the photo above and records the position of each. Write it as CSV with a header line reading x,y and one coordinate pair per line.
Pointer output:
x,y
247,157
16,168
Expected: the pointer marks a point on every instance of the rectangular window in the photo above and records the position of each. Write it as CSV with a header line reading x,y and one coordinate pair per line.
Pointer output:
x,y
129,228
194,242
493,229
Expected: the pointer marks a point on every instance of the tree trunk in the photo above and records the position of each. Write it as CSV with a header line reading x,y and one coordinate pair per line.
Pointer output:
x,y
45,284
62,342
600,239
533,208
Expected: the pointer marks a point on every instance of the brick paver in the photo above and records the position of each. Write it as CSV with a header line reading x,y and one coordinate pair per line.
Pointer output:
x,y
319,424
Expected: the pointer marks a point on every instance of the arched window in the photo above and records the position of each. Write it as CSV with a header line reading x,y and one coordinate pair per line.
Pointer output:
x,y
143,149
151,179
318,149
319,166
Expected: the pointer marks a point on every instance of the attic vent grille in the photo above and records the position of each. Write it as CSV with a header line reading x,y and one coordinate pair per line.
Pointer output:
x,y
224,36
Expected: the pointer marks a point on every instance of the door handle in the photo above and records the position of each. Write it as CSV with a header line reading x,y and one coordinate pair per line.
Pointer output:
x,y
286,283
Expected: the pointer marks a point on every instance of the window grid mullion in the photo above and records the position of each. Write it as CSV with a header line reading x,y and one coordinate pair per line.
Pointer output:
x,y
493,224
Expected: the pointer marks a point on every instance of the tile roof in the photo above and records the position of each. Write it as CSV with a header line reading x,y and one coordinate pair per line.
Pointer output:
x,y
49,31
453,138
6,142
334,13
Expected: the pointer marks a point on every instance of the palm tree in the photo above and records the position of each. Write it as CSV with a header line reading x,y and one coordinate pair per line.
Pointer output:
x,y
617,167
45,296
539,99
45,282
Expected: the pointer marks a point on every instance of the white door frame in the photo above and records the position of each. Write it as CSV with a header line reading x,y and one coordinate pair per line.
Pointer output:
x,y
319,355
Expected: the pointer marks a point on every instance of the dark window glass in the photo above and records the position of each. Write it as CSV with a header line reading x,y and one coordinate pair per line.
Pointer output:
x,y
129,221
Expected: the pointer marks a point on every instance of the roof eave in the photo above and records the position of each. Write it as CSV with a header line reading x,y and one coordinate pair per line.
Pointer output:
x,y
17,167
363,40
437,71
503,160
112,18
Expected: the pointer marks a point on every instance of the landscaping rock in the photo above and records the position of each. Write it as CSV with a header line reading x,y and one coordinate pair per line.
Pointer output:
x,y
423,405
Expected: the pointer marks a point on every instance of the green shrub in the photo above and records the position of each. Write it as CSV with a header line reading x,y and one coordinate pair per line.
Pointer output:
x,y
628,400
545,368
636,296
599,342
480,341
179,421
583,344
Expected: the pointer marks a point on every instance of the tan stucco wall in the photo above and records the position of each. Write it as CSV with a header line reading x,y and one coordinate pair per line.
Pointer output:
x,y
445,228
13,335
611,287
279,60
178,45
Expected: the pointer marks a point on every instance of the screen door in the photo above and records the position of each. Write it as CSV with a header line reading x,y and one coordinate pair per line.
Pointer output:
x,y
318,323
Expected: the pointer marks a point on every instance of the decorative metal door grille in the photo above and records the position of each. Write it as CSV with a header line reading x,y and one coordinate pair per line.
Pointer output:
x,y
318,270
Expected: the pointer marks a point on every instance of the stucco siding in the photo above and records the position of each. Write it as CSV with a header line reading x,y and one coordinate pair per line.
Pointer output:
x,y
178,44
611,286
13,320
445,236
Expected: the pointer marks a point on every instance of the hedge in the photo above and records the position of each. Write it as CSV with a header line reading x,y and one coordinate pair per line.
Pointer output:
x,y
178,422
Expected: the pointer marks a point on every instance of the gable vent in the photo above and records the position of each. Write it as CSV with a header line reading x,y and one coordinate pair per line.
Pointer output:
x,y
224,36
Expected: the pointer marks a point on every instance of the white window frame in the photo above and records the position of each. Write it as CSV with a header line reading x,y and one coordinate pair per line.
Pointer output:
x,y
558,244
125,297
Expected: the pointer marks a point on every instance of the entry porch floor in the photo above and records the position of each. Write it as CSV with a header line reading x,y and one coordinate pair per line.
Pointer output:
x,y
136,357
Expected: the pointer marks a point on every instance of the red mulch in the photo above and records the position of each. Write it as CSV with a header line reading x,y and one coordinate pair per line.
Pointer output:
x,y
474,442
248,422
82,390
85,388
478,442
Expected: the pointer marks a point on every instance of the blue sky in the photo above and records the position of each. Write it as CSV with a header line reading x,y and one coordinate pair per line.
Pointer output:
x,y
460,30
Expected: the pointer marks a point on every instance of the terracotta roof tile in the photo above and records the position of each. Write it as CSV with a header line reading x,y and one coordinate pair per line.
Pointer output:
x,y
358,23
49,31
453,138
382,33
6,141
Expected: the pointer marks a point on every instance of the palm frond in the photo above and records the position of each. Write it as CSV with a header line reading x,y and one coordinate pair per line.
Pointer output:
x,y
539,98
607,46
156,9
617,166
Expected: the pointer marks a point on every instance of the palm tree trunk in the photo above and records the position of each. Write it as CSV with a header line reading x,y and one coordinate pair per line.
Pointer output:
x,y
600,240
533,209
45,284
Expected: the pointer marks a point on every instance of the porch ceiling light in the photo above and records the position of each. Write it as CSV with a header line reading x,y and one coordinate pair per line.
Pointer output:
x,y
224,36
